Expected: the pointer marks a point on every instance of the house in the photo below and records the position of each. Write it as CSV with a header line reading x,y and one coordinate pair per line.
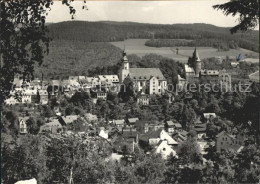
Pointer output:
x,y
226,141
169,127
180,136
130,135
103,133
177,126
101,95
91,117
93,81
106,78
153,137
142,126
131,121
202,146
52,127
155,125
29,96
201,130
209,76
181,82
43,96
143,100
23,124
208,116
119,123
234,64
65,120
147,80
164,149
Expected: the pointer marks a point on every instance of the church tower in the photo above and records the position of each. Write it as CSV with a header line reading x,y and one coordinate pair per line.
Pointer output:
x,y
125,68
196,62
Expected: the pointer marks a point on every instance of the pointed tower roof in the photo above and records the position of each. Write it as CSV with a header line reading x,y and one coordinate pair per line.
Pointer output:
x,y
196,55
124,58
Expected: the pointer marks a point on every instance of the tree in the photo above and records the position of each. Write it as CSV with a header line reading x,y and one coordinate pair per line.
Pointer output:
x,y
32,126
24,41
189,152
248,11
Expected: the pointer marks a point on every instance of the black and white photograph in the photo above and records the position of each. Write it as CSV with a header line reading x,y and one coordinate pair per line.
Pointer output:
x,y
129,92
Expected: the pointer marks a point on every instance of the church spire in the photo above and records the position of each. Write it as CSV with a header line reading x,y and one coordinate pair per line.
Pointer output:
x,y
196,55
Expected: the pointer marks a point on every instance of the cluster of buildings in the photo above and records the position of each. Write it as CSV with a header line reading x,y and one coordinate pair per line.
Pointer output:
x,y
162,137
194,72
147,81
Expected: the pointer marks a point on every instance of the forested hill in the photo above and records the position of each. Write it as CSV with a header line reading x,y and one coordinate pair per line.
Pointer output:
x,y
106,31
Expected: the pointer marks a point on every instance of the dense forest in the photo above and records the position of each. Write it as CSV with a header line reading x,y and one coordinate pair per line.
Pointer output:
x,y
74,57
118,31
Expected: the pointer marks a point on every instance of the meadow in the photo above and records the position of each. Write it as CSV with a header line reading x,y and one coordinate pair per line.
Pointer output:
x,y
137,46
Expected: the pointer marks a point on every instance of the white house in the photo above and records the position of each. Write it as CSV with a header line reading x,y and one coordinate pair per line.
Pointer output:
x,y
103,133
165,150
23,125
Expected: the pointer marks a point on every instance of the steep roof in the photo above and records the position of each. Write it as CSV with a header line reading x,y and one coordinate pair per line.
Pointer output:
x,y
196,55
69,119
146,73
24,119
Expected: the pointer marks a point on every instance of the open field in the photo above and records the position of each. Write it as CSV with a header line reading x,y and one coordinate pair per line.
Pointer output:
x,y
137,46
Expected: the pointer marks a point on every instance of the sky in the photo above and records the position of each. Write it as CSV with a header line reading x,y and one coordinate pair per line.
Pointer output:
x,y
157,12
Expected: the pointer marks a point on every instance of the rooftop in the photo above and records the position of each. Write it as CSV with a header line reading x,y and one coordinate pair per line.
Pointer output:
x,y
146,73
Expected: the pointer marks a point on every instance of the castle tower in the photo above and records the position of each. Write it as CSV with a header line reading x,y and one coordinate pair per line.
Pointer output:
x,y
196,62
125,68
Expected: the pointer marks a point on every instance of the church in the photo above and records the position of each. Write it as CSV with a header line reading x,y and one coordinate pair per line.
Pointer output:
x,y
147,80
193,68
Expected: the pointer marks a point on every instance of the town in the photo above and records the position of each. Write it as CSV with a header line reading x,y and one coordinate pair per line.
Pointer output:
x,y
120,128
149,101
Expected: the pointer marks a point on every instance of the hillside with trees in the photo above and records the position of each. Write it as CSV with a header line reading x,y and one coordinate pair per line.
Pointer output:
x,y
118,31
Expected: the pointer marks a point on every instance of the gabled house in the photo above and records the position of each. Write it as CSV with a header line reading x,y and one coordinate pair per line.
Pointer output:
x,y
164,149
169,126
23,124
156,125
131,121
181,136
153,137
103,133
91,117
52,127
130,135
119,122
208,116
65,120
226,141
201,130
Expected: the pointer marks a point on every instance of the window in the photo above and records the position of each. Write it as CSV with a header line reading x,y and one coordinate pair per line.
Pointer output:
x,y
164,149
221,143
